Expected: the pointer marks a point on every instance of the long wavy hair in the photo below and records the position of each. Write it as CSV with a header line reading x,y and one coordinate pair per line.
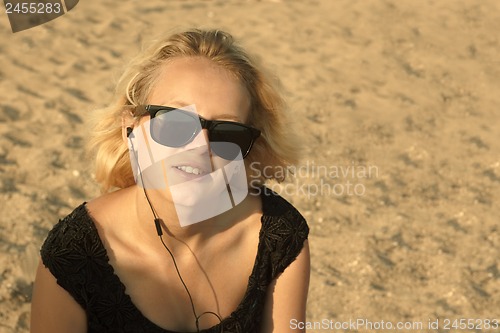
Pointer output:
x,y
276,149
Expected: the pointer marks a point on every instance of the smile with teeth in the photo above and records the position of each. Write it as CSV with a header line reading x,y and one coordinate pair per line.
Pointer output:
x,y
189,169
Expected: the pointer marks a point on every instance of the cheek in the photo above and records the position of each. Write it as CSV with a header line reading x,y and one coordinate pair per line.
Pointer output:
x,y
218,162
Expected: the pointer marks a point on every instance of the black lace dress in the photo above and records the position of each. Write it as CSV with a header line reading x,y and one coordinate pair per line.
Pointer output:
x,y
75,255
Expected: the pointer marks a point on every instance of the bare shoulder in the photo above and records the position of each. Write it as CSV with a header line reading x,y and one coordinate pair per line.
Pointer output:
x,y
287,295
106,207
53,309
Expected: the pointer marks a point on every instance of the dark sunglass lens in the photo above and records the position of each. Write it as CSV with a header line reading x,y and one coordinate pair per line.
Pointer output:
x,y
227,140
226,150
174,128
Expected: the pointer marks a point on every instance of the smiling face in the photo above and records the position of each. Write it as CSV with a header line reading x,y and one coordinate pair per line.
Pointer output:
x,y
203,89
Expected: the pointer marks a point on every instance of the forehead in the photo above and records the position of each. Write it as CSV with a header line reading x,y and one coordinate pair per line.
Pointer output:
x,y
214,90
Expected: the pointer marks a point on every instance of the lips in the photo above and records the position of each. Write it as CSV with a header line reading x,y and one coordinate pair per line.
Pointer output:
x,y
189,165
189,169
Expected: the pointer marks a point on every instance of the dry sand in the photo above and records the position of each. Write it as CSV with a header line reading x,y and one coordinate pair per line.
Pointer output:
x,y
408,88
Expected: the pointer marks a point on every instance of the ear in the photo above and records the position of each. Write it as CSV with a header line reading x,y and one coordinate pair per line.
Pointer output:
x,y
128,122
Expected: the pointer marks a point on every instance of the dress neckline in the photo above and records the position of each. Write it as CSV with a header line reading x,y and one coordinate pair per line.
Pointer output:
x,y
248,290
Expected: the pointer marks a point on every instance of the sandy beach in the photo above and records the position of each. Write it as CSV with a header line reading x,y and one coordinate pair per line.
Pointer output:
x,y
398,103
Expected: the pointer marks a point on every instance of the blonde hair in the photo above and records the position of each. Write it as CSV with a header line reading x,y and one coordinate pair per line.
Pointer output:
x,y
276,149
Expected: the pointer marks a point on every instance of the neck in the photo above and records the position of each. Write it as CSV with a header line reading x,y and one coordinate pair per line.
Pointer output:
x,y
194,233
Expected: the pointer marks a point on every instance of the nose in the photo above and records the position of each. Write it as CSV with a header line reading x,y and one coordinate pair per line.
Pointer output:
x,y
204,132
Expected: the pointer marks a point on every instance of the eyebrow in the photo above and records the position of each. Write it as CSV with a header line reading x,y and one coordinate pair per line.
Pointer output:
x,y
180,104
227,116
175,103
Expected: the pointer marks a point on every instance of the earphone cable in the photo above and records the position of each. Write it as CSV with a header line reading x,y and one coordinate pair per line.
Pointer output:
x,y
182,281
159,231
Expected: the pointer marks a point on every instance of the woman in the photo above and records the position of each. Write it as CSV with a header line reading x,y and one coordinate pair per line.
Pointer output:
x,y
190,111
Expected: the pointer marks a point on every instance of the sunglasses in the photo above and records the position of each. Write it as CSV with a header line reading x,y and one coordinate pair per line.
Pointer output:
x,y
176,128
